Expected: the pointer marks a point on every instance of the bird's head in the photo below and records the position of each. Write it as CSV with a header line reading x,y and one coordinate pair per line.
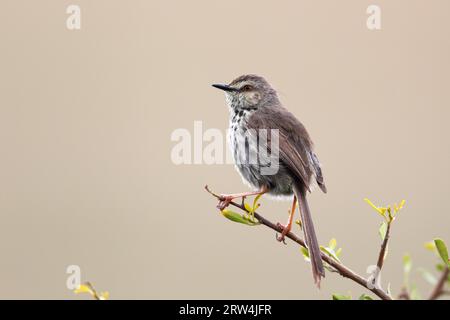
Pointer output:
x,y
248,92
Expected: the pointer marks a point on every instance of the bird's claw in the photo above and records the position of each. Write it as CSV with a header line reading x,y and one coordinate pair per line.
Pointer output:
x,y
281,238
243,201
224,201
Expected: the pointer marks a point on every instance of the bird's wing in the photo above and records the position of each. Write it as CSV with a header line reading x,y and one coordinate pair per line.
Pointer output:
x,y
318,172
295,145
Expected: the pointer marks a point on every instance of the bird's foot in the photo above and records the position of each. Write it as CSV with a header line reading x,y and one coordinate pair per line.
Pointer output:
x,y
224,201
284,232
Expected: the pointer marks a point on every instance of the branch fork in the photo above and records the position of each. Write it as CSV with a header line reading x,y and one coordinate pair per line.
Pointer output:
x,y
337,266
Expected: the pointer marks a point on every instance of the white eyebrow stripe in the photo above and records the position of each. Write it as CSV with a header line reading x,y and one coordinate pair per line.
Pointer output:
x,y
242,84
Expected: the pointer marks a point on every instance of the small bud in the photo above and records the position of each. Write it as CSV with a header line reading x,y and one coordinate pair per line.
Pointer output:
x,y
236,217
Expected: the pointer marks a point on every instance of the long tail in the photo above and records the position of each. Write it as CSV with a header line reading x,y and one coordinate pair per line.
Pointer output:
x,y
310,236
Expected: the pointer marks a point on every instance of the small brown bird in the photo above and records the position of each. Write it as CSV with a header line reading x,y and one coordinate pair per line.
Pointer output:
x,y
255,113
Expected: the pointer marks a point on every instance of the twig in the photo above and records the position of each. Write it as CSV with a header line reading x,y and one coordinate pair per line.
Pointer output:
x,y
340,268
384,247
404,294
439,288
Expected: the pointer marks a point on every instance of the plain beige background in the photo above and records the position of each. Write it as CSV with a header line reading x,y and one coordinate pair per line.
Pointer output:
x,y
86,117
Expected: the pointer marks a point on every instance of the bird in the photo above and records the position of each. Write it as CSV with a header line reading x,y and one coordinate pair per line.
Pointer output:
x,y
255,112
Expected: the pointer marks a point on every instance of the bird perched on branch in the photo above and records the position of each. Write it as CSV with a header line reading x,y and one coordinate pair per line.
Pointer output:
x,y
273,153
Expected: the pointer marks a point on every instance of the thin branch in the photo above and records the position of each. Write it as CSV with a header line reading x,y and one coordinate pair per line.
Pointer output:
x,y
382,253
439,288
404,294
340,268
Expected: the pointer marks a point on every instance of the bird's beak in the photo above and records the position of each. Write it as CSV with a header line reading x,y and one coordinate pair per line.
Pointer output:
x,y
224,87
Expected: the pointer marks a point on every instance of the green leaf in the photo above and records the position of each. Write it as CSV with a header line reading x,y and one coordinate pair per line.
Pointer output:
x,y
397,208
415,294
382,230
329,252
305,253
407,264
236,217
341,297
381,211
442,249
255,202
430,246
365,297
430,278
332,244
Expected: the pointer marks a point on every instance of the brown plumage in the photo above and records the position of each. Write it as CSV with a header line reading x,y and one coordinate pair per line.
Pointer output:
x,y
295,150
254,108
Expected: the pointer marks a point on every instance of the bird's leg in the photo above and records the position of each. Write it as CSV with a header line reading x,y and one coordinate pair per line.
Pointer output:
x,y
225,199
286,229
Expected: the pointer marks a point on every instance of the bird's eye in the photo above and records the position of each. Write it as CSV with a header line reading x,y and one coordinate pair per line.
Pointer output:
x,y
247,88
